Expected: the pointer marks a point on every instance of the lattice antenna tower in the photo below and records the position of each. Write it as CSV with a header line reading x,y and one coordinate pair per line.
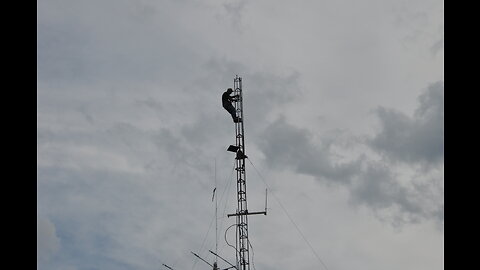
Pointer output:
x,y
242,242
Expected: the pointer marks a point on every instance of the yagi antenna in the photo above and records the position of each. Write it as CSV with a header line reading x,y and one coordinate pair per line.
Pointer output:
x,y
201,259
167,266
233,266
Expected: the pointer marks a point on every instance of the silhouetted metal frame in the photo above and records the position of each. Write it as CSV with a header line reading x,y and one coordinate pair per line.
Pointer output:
x,y
243,259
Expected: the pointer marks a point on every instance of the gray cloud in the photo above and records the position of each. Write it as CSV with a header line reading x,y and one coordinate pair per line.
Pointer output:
x,y
79,49
414,139
48,242
374,184
235,11
437,46
378,188
287,146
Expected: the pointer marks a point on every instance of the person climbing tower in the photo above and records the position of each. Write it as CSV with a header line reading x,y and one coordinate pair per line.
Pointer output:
x,y
227,104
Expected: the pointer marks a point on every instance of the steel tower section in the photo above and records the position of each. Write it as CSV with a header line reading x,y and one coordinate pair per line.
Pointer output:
x,y
242,243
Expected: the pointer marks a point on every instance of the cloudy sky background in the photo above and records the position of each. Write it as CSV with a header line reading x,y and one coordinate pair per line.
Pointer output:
x,y
344,119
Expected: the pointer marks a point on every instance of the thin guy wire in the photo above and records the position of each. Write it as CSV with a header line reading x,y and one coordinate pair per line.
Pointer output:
x,y
210,226
289,217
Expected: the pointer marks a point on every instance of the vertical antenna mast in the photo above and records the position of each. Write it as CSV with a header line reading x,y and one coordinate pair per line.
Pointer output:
x,y
242,219
216,218
242,243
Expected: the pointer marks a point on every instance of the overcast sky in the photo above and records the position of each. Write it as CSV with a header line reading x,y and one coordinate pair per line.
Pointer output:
x,y
344,122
